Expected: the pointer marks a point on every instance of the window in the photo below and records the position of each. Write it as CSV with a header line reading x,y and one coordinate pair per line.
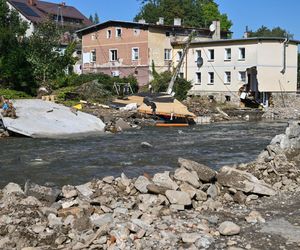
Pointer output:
x,y
94,37
167,33
198,77
197,55
179,55
168,56
118,32
108,34
242,76
211,77
227,77
242,53
113,55
227,55
211,54
135,54
181,75
93,56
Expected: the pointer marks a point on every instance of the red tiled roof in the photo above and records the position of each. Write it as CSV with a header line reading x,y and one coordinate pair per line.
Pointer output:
x,y
42,10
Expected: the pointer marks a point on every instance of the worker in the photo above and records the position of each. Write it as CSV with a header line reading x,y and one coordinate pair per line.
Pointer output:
x,y
9,110
5,105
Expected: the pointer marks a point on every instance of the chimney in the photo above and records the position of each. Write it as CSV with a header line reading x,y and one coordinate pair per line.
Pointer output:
x,y
246,33
177,21
161,21
32,2
216,29
142,21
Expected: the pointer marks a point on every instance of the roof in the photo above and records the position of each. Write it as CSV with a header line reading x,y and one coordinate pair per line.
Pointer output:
x,y
37,11
242,40
99,26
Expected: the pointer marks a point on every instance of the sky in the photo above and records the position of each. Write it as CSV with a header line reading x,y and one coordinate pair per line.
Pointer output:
x,y
251,13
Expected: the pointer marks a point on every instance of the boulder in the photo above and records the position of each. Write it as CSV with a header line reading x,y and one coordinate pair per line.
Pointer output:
x,y
146,145
69,191
102,219
155,189
204,173
31,201
42,193
11,188
54,221
190,237
187,188
164,180
178,197
122,125
255,217
212,191
229,228
201,196
182,174
85,189
243,181
141,184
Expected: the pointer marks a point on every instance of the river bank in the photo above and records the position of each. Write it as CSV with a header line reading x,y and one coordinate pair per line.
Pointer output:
x,y
250,206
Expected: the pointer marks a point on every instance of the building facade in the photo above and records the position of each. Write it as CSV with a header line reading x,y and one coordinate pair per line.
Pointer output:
x,y
220,68
121,48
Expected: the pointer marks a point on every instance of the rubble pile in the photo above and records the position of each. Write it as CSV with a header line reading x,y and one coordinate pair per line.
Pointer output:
x,y
194,207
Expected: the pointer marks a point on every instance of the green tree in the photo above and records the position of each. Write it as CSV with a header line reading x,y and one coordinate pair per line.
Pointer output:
x,y
96,18
91,18
15,71
46,56
196,13
264,31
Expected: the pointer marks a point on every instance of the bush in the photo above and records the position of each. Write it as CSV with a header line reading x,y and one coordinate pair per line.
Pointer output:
x,y
13,94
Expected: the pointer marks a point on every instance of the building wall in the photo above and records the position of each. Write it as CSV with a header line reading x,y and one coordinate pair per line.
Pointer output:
x,y
266,56
125,65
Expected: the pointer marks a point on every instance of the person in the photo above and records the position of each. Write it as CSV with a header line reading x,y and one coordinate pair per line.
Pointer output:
x,y
5,105
9,110
150,88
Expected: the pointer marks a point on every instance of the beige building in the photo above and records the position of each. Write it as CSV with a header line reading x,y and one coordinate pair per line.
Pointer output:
x,y
220,68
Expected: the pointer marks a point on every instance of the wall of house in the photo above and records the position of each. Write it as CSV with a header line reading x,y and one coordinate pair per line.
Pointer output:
x,y
266,56
125,64
30,29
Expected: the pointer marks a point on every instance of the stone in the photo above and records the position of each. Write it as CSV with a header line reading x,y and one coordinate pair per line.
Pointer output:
x,y
176,207
204,242
146,145
38,229
141,184
182,174
11,188
212,191
243,181
108,179
251,197
255,217
200,195
75,211
4,242
205,173
229,228
82,224
141,224
69,220
125,180
121,125
227,197
68,204
54,221
60,240
141,233
293,130
178,197
187,188
164,180
69,192
85,189
31,201
42,193
102,219
155,189
239,197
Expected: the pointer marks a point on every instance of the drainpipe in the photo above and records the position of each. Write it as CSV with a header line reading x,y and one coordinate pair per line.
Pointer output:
x,y
284,55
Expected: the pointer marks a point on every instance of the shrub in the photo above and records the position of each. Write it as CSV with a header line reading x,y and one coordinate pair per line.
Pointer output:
x,y
13,94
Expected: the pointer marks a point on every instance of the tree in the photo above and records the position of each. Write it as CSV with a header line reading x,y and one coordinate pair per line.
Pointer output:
x,y
96,18
91,18
264,31
46,56
195,13
15,71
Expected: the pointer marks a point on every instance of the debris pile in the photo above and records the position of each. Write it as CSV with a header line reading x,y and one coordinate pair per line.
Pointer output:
x,y
193,207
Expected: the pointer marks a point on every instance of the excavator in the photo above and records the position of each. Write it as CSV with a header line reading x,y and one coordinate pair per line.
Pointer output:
x,y
168,111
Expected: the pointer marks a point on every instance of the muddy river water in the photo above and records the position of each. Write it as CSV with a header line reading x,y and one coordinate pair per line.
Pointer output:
x,y
78,160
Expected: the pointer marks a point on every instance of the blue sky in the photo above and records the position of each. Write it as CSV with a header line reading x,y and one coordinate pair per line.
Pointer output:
x,y
253,13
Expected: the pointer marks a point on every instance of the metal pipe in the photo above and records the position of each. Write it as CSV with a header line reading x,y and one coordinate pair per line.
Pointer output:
x,y
286,40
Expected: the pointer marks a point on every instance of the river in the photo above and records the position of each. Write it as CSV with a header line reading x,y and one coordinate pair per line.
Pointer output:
x,y
78,160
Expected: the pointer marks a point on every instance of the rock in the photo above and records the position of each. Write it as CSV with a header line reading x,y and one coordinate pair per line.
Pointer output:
x,y
178,197
251,197
60,240
190,237
108,179
229,228
31,201
181,174
141,184
69,192
42,193
164,180
125,180
239,197
184,187
141,224
100,220
243,181
82,224
212,191
205,173
69,220
255,217
38,229
228,197
293,130
200,195
155,189
85,189
54,221
75,211
121,125
176,207
204,242
146,145
4,242
11,188
68,204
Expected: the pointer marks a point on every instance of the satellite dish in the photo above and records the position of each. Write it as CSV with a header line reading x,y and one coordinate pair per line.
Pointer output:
x,y
199,61
212,27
